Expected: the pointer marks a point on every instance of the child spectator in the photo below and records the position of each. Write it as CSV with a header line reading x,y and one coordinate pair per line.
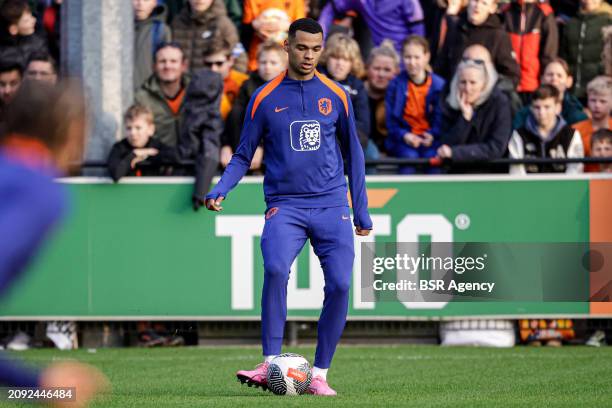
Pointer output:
x,y
582,43
341,61
480,25
164,92
17,37
138,146
268,20
546,134
535,40
41,67
413,106
476,117
601,146
271,62
557,74
218,58
382,66
599,92
150,30
199,23
391,19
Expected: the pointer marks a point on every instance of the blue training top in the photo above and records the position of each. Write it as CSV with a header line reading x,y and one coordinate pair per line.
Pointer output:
x,y
307,128
31,205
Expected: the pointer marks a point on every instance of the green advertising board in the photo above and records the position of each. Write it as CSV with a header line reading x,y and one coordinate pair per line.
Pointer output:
x,y
137,250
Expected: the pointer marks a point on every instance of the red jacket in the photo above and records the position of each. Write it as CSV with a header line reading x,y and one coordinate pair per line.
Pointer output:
x,y
535,39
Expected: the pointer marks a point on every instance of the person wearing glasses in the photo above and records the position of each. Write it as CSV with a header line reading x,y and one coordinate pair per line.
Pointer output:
x,y
218,58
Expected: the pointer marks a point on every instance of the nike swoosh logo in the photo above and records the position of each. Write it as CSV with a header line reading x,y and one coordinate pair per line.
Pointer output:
x,y
277,109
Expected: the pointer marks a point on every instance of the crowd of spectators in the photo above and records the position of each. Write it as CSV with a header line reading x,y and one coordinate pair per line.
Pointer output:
x,y
450,81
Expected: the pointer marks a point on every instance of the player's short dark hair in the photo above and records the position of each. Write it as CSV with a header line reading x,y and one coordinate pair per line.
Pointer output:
x,y
601,136
42,57
11,11
546,91
305,24
9,66
45,112
168,44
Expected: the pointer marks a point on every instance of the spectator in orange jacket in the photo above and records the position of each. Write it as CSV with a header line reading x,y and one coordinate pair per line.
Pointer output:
x,y
535,40
599,92
268,19
218,58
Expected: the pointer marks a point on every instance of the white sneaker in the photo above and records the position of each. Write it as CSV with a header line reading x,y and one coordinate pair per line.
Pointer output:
x,y
598,339
19,342
63,335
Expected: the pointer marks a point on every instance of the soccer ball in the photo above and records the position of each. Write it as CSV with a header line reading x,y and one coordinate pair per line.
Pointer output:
x,y
288,374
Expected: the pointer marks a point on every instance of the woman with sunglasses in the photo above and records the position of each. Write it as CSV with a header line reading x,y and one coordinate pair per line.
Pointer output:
x,y
476,118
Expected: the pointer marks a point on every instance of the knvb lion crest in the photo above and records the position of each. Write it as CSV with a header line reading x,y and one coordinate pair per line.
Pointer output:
x,y
325,106
305,135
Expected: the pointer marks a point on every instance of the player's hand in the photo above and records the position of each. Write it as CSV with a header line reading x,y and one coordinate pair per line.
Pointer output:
x,y
214,205
362,232
86,380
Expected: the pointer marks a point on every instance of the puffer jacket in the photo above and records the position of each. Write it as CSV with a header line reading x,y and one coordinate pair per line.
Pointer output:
x,y
582,44
194,32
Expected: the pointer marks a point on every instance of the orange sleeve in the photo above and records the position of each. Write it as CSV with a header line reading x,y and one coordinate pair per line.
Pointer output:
x,y
249,12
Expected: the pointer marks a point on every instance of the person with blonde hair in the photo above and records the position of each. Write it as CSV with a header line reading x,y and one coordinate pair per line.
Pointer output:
x,y
599,101
476,116
341,61
382,66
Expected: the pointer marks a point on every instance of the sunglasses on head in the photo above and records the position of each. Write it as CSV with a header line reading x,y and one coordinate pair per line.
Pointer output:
x,y
477,61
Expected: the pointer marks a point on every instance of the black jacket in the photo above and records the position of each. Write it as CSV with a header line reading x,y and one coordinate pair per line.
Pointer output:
x,y
19,48
483,138
491,34
200,134
122,153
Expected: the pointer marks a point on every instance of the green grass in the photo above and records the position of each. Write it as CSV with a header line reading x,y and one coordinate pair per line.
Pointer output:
x,y
364,376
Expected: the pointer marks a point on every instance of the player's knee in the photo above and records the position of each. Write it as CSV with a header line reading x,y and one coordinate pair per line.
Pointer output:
x,y
275,269
338,286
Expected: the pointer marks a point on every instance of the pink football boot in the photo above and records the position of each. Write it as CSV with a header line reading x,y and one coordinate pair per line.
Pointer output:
x,y
256,377
318,386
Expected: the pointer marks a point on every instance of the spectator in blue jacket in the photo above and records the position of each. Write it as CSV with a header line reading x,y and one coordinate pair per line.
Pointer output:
x,y
341,61
413,106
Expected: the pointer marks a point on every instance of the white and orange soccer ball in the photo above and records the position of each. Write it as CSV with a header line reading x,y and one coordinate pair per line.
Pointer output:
x,y
289,374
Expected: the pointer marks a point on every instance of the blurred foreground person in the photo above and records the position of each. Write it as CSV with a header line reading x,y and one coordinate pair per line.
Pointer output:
x,y
45,125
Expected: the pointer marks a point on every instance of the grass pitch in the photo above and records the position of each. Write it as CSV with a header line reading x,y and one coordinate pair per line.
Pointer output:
x,y
364,376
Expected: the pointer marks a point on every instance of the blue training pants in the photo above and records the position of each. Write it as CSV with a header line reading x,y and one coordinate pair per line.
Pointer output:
x,y
285,232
